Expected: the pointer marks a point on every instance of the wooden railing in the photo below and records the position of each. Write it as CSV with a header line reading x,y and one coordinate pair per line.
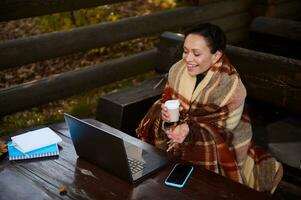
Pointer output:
x,y
16,9
231,15
51,45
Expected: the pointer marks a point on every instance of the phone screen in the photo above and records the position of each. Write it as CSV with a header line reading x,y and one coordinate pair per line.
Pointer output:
x,y
179,175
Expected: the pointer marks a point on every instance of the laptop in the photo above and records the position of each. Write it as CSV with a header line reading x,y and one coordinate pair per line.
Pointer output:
x,y
113,151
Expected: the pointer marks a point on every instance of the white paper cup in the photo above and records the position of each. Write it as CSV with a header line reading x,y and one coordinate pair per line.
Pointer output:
x,y
173,109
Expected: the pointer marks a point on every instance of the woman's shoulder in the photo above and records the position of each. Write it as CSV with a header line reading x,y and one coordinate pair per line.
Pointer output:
x,y
175,68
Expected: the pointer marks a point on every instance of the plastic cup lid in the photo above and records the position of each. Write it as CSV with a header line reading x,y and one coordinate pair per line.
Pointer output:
x,y
172,104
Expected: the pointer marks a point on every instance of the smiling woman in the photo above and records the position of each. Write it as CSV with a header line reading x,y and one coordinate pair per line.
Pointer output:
x,y
213,131
198,55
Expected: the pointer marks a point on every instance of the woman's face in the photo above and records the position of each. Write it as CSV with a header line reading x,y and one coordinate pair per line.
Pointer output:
x,y
197,55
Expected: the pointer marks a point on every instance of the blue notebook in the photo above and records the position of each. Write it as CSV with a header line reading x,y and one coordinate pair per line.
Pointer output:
x,y
15,154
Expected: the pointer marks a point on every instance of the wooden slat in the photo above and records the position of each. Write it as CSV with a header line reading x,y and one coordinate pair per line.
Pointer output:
x,y
203,2
55,87
124,109
286,9
16,9
50,45
270,2
278,27
238,35
233,22
265,31
269,78
75,174
15,184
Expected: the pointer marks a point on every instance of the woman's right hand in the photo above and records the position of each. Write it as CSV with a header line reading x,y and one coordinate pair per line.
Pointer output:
x,y
164,113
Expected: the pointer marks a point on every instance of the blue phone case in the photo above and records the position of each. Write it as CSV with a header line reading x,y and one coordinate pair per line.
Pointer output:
x,y
175,184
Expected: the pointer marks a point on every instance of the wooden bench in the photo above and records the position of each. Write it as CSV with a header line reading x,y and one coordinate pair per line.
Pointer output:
x,y
124,109
276,36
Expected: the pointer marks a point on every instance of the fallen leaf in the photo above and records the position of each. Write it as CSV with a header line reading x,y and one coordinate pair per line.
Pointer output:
x,y
3,147
63,190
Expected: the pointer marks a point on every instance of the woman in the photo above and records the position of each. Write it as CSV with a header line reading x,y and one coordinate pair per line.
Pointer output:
x,y
214,131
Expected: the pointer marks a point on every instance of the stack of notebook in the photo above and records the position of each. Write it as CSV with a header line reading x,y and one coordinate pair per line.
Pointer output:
x,y
34,144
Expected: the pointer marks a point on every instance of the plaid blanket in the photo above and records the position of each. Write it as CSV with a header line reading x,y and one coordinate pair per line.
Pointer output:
x,y
220,132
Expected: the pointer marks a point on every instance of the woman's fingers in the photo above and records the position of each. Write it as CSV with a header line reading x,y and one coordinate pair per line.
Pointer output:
x,y
164,113
172,134
165,118
179,133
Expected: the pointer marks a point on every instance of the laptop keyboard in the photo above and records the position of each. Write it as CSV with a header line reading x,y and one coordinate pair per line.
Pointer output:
x,y
135,165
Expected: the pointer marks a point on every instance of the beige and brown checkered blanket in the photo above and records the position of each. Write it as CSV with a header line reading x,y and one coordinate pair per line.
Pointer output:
x,y
220,132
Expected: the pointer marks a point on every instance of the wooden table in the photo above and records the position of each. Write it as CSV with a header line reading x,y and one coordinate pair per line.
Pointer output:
x,y
42,178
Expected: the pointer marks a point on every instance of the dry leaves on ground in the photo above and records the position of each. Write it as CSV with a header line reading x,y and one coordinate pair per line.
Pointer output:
x,y
63,190
3,147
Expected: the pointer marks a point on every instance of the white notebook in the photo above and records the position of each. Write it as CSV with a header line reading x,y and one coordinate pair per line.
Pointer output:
x,y
36,139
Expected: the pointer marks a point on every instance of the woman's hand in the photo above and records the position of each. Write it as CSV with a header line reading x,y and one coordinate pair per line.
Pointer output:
x,y
164,113
179,133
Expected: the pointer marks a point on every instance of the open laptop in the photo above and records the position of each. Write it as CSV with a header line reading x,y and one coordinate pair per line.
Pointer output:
x,y
109,150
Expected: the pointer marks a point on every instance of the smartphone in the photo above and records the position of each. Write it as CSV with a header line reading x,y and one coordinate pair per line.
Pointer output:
x,y
179,175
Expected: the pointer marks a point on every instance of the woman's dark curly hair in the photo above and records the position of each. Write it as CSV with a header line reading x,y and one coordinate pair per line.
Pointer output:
x,y
214,36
